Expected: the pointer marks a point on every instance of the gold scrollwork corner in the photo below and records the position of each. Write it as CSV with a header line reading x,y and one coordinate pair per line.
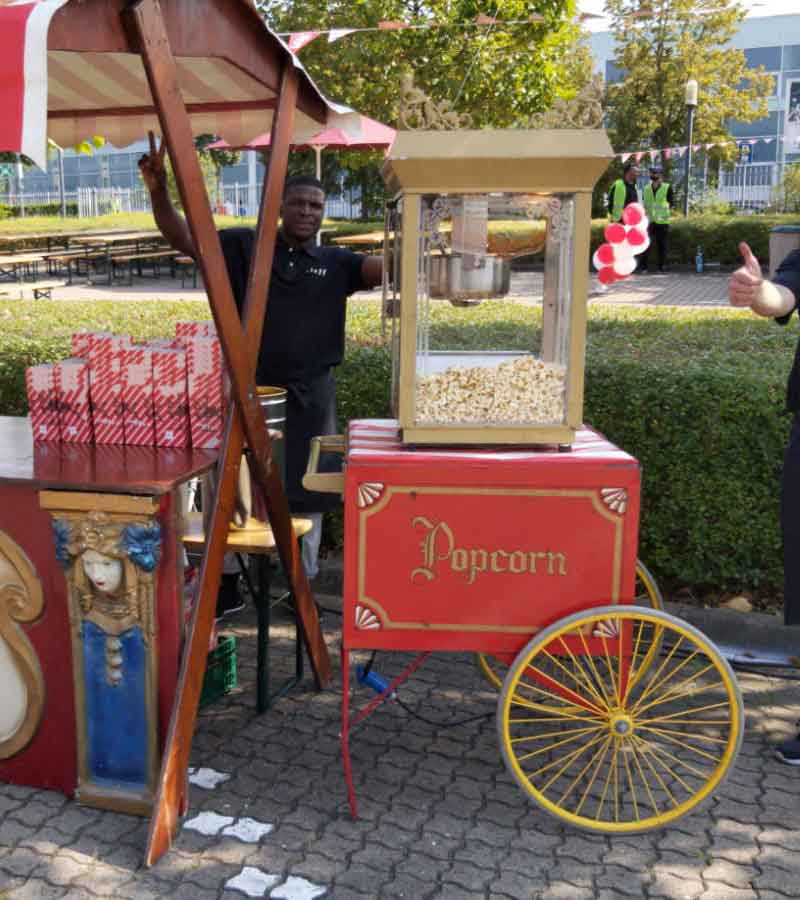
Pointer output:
x,y
584,110
419,113
365,619
368,493
21,601
616,499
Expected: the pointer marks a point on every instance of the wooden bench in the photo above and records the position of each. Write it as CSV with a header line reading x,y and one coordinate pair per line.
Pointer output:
x,y
44,289
16,266
154,257
187,266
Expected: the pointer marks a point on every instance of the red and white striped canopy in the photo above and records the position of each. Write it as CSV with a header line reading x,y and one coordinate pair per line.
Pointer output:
x,y
67,73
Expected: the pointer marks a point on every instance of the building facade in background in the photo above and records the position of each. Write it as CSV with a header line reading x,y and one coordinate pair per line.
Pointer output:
x,y
768,144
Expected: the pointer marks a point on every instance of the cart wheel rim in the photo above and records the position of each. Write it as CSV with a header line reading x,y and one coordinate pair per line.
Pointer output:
x,y
604,748
646,594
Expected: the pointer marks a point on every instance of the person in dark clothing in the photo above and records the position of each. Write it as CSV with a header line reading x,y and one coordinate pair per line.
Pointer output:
x,y
658,201
623,192
304,331
778,299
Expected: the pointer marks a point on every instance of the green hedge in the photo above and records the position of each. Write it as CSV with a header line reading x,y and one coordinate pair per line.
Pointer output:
x,y
695,394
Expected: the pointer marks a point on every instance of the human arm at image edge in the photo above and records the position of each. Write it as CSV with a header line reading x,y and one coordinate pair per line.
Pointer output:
x,y
748,288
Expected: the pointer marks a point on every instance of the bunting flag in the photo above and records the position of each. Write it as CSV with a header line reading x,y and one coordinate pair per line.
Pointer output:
x,y
392,26
678,152
338,33
299,39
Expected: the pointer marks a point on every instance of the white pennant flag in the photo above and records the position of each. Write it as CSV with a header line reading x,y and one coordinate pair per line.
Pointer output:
x,y
335,33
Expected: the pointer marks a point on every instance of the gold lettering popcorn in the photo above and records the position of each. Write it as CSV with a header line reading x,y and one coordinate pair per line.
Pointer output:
x,y
524,390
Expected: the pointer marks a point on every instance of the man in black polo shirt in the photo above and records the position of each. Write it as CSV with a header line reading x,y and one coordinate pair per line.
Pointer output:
x,y
303,336
778,299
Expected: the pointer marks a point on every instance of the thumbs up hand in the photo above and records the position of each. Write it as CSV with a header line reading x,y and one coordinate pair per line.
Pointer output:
x,y
745,284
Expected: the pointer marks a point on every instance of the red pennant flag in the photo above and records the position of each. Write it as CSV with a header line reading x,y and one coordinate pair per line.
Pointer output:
x,y
667,153
299,39
637,157
392,26
485,20
537,17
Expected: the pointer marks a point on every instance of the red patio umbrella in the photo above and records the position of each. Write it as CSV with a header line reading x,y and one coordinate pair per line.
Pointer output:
x,y
366,134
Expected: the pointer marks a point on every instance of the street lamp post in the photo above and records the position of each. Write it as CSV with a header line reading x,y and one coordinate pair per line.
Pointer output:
x,y
690,100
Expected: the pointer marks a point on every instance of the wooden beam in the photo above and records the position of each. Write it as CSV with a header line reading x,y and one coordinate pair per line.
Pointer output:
x,y
122,111
241,350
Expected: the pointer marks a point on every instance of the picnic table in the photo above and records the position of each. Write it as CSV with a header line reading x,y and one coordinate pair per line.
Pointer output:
x,y
9,242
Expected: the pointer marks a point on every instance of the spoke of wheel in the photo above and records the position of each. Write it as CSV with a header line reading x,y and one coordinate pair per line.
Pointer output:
x,y
616,780
682,690
576,700
567,760
559,711
671,756
692,677
604,751
585,681
602,700
656,675
704,722
656,775
654,753
549,720
524,757
578,732
582,772
607,784
632,673
551,734
590,660
683,712
611,675
645,782
694,737
685,746
631,785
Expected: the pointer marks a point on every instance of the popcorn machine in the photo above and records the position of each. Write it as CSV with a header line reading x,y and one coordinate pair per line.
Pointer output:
x,y
465,204
468,529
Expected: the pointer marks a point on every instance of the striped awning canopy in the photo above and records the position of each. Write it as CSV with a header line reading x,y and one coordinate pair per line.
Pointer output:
x,y
68,71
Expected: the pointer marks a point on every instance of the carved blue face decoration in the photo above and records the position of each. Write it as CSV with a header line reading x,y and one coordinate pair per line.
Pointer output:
x,y
142,543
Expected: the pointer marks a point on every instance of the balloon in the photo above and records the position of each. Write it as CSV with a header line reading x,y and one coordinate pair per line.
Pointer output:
x,y
636,238
623,251
633,214
606,254
607,275
615,233
624,267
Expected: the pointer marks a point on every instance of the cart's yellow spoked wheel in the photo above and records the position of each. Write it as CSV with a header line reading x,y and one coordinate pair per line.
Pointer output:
x,y
604,749
647,595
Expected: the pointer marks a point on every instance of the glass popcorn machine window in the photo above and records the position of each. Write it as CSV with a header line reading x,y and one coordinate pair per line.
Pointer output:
x,y
488,299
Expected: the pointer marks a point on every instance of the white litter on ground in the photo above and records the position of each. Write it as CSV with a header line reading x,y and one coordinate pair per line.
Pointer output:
x,y
298,889
208,823
253,882
208,779
248,830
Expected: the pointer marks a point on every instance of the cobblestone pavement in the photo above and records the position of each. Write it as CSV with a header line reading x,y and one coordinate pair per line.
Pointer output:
x,y
440,817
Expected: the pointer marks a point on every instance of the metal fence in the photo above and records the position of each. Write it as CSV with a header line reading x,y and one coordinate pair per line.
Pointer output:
x,y
752,186
235,200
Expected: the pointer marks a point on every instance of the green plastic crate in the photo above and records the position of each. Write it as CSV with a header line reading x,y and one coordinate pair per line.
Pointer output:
x,y
221,676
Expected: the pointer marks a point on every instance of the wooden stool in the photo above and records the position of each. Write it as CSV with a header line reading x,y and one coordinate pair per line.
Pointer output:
x,y
256,539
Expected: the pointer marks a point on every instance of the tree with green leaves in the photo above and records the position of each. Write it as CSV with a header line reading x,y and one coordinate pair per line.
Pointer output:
x,y
660,45
500,74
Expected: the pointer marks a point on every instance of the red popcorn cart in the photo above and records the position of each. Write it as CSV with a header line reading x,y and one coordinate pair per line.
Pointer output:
x,y
486,517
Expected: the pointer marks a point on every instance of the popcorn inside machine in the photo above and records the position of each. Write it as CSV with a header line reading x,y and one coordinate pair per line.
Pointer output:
x,y
465,205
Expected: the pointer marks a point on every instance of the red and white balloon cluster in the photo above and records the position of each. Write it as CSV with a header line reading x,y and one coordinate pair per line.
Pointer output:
x,y
616,259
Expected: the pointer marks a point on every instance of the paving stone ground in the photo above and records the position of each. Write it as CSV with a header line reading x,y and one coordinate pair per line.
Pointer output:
x,y
440,816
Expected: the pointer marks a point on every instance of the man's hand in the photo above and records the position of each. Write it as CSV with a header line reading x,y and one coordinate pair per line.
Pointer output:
x,y
745,285
151,165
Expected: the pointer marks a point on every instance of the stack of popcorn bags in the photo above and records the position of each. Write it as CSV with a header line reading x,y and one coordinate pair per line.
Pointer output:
x,y
164,393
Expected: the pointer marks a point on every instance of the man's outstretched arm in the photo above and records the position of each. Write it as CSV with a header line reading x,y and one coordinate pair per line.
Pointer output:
x,y
170,222
748,287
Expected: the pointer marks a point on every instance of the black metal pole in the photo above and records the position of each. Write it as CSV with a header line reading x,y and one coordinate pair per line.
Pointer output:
x,y
690,109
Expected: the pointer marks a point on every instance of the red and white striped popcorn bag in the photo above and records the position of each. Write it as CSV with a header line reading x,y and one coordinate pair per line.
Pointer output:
x,y
205,391
170,399
43,403
72,390
105,359
137,396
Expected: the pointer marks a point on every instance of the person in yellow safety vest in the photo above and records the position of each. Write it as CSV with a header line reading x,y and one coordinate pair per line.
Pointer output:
x,y
623,192
658,201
